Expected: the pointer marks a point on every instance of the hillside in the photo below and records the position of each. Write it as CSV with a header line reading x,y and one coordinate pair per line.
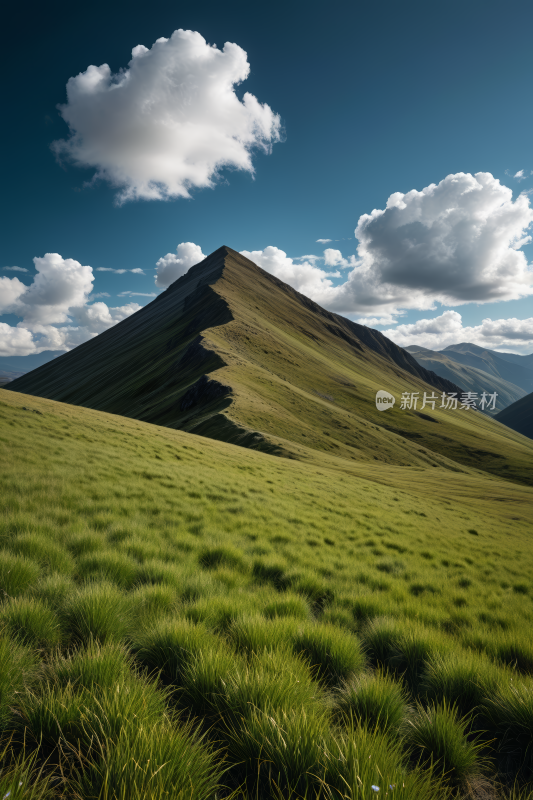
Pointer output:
x,y
267,595
470,378
230,352
519,416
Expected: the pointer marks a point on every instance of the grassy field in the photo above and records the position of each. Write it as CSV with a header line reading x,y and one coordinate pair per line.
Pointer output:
x,y
183,618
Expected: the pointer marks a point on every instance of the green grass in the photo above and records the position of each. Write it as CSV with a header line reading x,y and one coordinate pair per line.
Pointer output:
x,y
374,701
437,736
183,609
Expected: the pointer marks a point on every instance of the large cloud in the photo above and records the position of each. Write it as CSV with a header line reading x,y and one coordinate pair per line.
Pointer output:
x,y
455,242
58,294
169,122
172,266
514,335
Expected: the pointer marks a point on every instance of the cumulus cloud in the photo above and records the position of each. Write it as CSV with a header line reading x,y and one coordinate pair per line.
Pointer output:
x,y
54,309
302,275
520,175
98,317
333,258
168,122
455,242
324,241
172,266
515,335
15,269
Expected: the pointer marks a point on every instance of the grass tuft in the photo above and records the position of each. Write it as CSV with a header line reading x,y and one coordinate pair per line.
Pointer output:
x,y
17,574
98,611
376,702
437,736
32,622
333,654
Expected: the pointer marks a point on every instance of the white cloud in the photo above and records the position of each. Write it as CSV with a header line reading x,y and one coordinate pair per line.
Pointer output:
x,y
48,307
455,242
110,269
168,122
98,317
15,341
514,335
14,269
371,322
304,276
172,266
59,284
136,271
520,175
11,290
333,258
324,241
137,294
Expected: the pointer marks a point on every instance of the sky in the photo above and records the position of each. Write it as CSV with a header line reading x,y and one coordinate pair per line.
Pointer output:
x,y
376,156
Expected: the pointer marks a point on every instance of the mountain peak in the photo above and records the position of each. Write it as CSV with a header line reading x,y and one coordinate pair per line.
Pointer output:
x,y
231,352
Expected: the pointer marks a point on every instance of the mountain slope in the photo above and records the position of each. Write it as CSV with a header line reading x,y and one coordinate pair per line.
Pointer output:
x,y
230,352
514,358
471,379
519,416
489,361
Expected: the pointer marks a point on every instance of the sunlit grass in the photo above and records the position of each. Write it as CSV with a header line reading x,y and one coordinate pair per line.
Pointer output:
x,y
298,619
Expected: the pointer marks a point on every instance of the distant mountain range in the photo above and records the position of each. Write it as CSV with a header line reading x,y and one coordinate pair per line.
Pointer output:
x,y
481,370
230,352
12,367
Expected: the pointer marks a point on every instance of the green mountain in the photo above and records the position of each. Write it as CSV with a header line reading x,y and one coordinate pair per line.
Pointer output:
x,y
470,378
494,363
232,353
519,416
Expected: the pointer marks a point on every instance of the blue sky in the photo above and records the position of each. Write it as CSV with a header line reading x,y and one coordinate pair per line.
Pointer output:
x,y
368,99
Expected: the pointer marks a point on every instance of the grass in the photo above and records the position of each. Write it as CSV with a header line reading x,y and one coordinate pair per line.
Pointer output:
x,y
436,735
374,701
31,622
186,610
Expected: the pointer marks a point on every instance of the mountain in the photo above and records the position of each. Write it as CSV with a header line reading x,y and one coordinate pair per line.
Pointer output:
x,y
230,352
6,376
514,358
23,364
519,416
470,378
494,363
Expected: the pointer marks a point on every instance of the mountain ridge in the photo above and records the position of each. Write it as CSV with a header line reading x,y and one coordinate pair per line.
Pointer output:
x,y
231,352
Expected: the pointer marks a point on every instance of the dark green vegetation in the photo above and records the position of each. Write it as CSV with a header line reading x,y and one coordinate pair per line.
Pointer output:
x,y
232,353
519,416
182,618
475,378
